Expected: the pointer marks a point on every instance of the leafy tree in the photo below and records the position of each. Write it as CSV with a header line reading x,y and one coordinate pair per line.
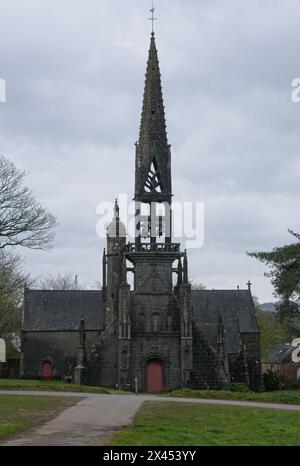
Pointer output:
x,y
272,332
23,221
284,263
66,281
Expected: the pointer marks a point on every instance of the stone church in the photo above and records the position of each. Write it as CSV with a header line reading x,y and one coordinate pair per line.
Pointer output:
x,y
158,334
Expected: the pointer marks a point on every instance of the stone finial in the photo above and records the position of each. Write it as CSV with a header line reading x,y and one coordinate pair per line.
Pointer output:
x,y
116,209
82,334
220,329
116,229
249,284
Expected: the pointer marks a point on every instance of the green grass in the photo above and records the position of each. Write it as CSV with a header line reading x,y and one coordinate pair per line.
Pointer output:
x,y
284,397
184,424
52,385
19,413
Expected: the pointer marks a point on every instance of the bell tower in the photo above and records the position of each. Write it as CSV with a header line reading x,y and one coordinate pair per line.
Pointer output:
x,y
161,313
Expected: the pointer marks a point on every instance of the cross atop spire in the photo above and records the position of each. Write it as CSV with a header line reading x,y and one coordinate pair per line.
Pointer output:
x,y
152,18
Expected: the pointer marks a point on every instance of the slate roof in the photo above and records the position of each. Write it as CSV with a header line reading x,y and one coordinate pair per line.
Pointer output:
x,y
56,310
280,353
50,310
236,309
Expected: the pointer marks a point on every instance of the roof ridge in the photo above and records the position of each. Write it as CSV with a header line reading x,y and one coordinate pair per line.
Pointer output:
x,y
65,291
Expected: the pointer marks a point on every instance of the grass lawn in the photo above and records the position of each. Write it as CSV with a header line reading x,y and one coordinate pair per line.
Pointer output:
x,y
51,385
286,397
18,413
182,424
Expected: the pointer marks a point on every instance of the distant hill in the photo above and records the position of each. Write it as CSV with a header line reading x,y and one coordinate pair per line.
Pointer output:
x,y
268,307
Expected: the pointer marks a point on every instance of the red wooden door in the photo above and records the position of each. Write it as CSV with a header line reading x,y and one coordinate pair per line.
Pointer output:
x,y
47,371
154,377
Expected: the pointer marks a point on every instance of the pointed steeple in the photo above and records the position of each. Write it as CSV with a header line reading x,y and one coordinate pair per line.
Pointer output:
x,y
153,124
153,167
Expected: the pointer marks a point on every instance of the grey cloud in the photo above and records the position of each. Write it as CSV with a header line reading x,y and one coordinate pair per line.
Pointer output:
x,y
75,77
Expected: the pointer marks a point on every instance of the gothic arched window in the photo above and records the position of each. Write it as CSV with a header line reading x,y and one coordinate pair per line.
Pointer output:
x,y
153,181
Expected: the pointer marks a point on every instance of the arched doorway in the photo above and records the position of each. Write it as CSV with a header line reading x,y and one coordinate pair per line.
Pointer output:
x,y
154,376
46,371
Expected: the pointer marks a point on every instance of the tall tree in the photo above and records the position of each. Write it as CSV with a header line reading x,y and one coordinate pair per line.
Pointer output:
x,y
272,332
284,263
23,221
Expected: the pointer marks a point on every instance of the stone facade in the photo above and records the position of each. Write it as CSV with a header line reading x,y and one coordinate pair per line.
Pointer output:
x,y
160,334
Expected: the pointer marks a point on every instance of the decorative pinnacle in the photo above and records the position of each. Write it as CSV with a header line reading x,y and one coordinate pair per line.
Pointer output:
x,y
179,281
185,268
152,18
116,209
124,270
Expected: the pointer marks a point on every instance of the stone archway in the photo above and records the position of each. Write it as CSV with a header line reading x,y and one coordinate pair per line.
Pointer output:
x,y
154,376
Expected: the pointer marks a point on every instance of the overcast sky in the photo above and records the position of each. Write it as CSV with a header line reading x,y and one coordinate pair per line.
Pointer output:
x,y
75,75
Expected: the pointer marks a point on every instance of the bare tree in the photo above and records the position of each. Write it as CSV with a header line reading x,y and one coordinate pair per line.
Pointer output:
x,y
196,285
23,221
66,281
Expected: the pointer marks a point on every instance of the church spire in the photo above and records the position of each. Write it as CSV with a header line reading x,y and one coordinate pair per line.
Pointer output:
x,y
153,164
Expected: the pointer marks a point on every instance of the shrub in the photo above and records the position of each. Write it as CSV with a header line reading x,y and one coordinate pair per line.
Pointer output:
x,y
239,387
271,380
291,384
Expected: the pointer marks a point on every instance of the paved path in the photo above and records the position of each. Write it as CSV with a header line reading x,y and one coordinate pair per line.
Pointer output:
x,y
96,417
